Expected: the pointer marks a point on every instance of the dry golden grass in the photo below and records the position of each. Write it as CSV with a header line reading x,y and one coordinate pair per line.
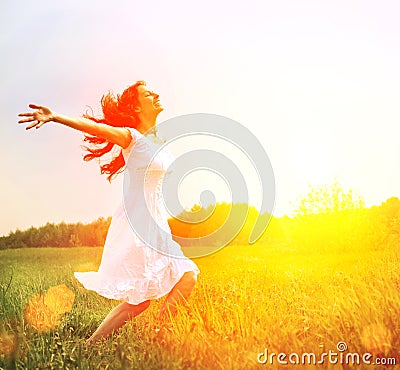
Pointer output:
x,y
248,298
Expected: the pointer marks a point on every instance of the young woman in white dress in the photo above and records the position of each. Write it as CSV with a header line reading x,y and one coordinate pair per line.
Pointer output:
x,y
130,270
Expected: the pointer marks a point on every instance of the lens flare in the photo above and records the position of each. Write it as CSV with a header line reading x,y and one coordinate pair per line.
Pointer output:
x,y
59,299
39,315
44,311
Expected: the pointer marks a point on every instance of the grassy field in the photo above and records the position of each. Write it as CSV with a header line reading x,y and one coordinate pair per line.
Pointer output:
x,y
247,300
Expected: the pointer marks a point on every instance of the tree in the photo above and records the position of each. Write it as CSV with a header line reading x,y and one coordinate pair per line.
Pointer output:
x,y
329,218
327,199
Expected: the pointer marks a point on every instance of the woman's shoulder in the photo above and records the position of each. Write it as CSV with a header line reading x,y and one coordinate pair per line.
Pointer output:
x,y
134,132
138,143
137,137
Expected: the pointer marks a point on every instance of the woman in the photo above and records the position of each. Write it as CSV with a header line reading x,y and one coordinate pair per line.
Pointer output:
x,y
130,269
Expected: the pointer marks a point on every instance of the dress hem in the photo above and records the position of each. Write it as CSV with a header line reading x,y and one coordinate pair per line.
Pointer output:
x,y
125,295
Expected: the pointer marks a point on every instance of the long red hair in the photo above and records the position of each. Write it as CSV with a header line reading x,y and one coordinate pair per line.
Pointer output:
x,y
118,111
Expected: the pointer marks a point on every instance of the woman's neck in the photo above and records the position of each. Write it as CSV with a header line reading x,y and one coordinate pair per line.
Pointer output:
x,y
147,126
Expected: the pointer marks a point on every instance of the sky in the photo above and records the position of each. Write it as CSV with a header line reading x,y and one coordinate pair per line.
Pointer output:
x,y
317,82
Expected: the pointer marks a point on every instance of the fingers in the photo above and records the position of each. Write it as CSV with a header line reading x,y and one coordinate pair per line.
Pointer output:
x,y
37,124
32,125
30,115
34,106
34,117
26,114
30,119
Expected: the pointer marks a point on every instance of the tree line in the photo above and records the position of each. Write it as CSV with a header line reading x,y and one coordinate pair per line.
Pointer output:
x,y
326,218
61,235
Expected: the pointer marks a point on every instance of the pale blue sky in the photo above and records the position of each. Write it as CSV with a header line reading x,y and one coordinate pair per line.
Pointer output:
x,y
316,81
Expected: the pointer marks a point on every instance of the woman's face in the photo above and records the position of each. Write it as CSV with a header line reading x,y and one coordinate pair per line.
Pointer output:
x,y
149,103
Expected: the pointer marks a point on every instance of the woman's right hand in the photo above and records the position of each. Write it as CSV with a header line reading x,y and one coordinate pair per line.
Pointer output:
x,y
39,116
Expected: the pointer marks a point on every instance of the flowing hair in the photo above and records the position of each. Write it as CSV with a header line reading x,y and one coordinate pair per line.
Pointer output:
x,y
118,111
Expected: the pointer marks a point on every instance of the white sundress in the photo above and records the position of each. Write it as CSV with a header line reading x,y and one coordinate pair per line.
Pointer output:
x,y
130,269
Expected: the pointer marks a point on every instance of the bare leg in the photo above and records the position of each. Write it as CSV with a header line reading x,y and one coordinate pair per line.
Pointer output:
x,y
179,294
117,318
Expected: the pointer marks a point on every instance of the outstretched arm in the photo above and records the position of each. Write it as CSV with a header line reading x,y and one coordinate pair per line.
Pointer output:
x,y
41,115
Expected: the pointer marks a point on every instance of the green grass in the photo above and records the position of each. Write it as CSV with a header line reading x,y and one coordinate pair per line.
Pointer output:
x,y
247,299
